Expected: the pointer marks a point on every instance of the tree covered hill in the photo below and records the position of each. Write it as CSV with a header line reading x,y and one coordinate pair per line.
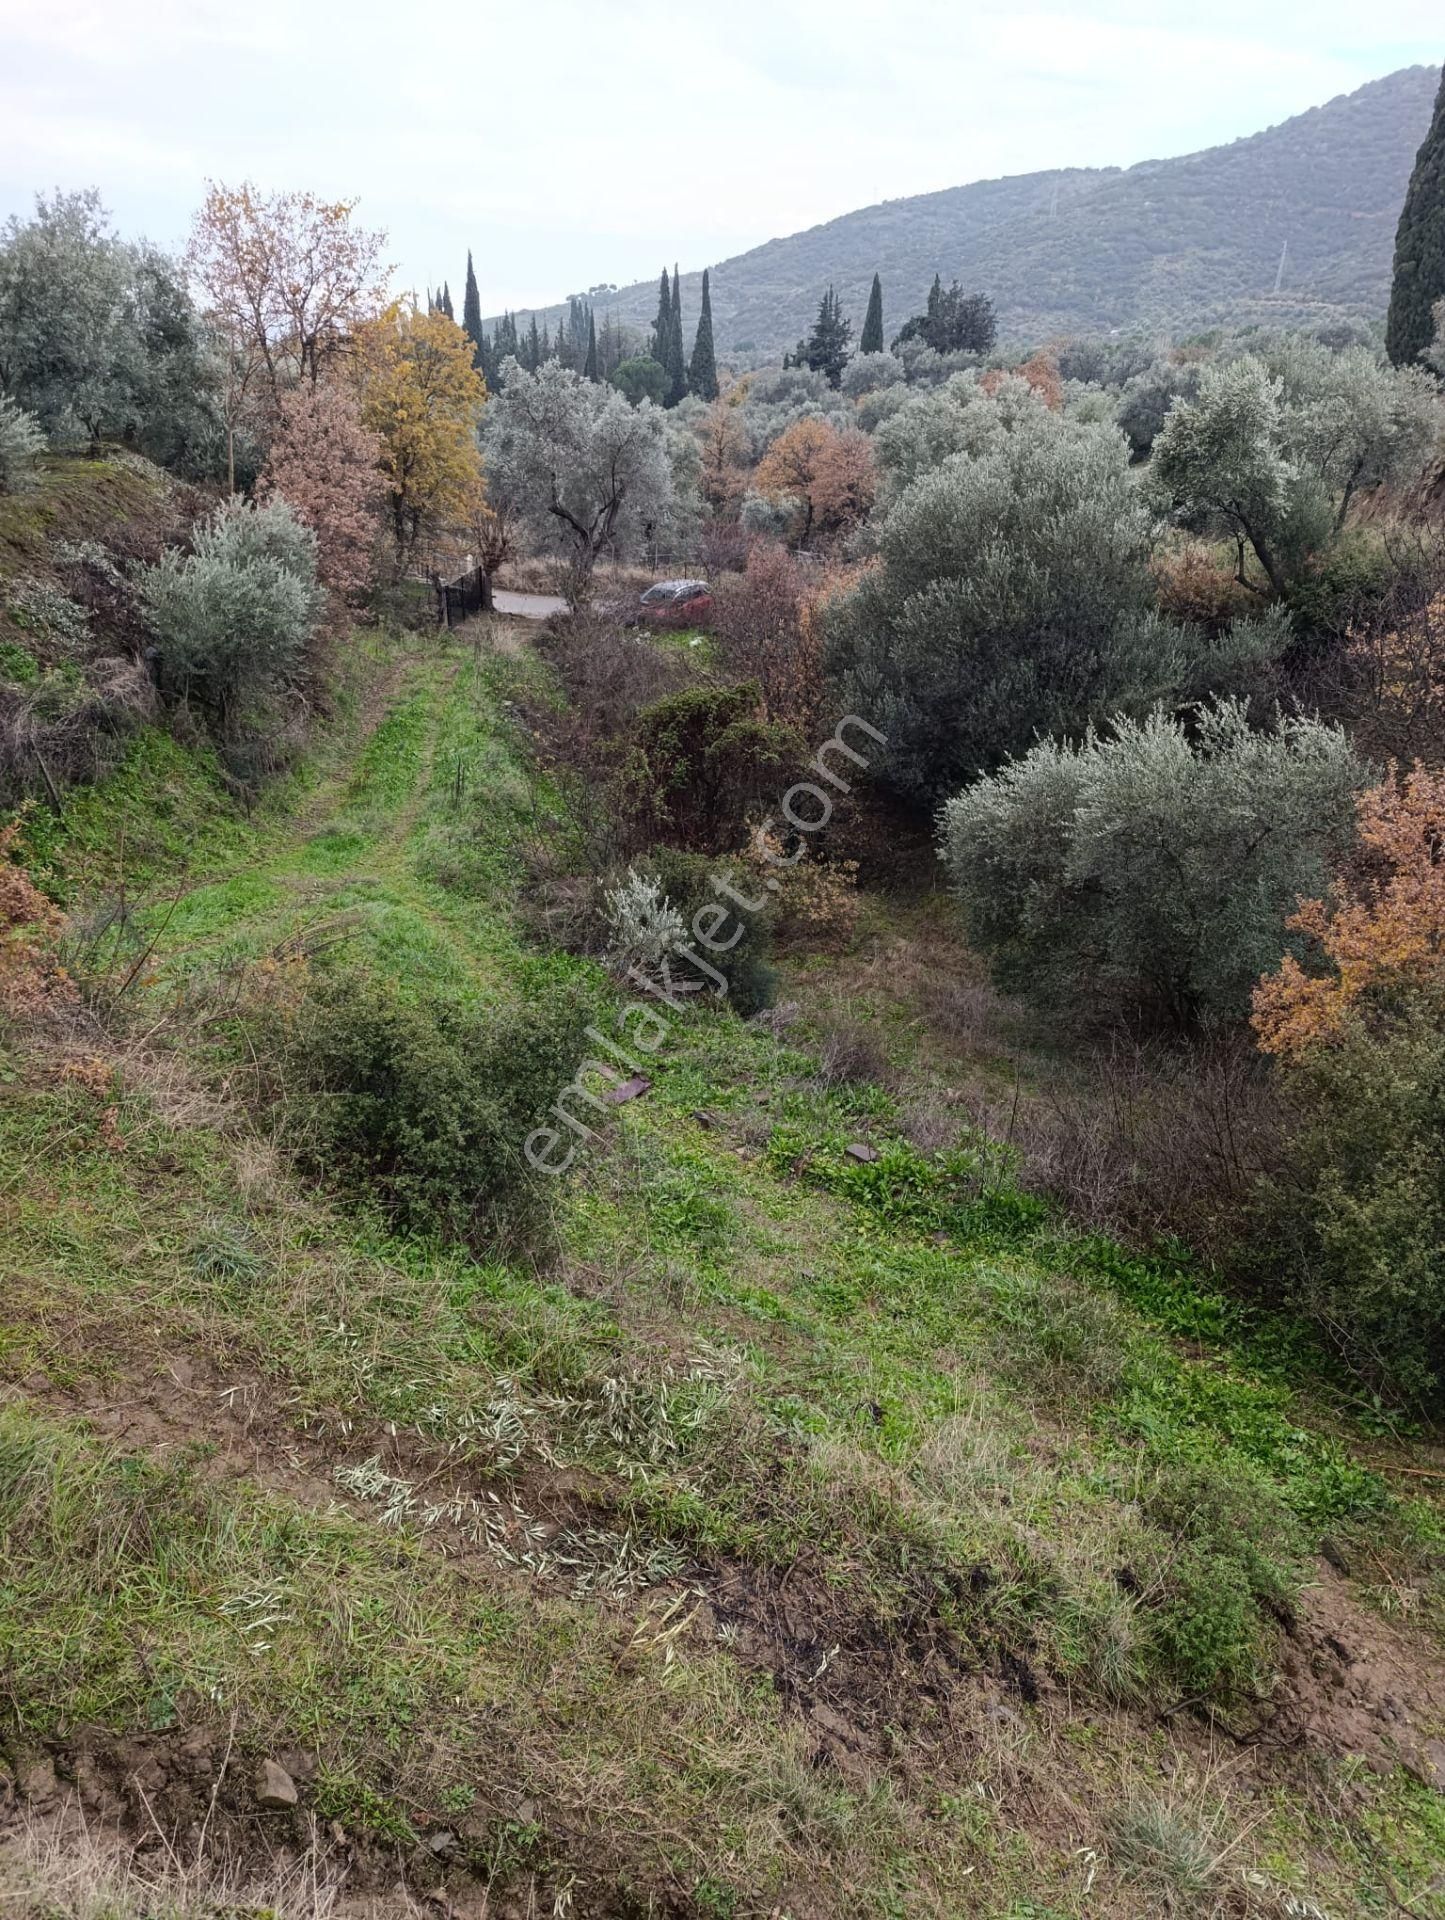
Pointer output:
x,y
1170,244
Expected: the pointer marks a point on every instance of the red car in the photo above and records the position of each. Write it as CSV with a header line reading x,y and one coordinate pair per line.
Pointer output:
x,y
674,603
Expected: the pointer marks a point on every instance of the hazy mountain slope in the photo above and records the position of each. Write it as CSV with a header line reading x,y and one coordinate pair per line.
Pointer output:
x,y
1169,242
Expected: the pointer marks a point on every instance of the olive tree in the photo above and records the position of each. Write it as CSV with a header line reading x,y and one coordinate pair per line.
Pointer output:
x,y
1154,866
233,619
576,464
1276,445
1012,598
98,337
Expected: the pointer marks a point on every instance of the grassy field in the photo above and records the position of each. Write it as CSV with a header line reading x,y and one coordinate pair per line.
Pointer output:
x,y
795,1533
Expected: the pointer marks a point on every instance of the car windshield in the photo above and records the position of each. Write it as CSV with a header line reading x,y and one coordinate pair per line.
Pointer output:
x,y
655,595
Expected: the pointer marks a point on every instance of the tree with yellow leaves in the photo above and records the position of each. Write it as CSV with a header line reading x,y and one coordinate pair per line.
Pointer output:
x,y
423,399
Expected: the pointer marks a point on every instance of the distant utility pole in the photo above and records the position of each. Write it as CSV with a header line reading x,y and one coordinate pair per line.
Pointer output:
x,y
1279,274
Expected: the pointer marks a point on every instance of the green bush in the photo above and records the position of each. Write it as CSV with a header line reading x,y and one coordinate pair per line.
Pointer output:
x,y
1154,868
233,620
699,763
1355,1218
422,1101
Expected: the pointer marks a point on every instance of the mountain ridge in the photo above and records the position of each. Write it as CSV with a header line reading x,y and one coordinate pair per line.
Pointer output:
x,y
1160,245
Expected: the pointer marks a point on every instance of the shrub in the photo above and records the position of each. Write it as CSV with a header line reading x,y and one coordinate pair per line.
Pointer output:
x,y
759,618
233,619
21,443
1156,865
38,607
421,1101
1382,935
698,762
1358,1211
647,929
683,885
1355,1220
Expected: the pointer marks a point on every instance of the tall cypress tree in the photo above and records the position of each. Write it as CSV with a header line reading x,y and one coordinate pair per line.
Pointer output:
x,y
676,353
1420,249
472,312
871,339
445,303
589,366
702,374
532,350
662,325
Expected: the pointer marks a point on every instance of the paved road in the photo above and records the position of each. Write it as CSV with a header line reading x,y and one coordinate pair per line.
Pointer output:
x,y
530,606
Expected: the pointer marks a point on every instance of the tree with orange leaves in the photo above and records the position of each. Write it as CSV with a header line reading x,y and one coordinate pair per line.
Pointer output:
x,y
830,474
724,447
1382,937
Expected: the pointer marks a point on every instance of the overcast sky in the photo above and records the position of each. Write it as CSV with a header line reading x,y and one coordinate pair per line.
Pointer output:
x,y
567,143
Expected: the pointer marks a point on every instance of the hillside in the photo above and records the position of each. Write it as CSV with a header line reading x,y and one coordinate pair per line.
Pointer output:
x,y
807,1522
1176,244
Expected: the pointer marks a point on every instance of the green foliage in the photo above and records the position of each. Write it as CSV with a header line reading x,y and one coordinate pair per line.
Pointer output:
x,y
687,881
98,337
1154,867
871,338
233,619
21,442
640,378
1419,277
1014,597
421,1101
1356,1215
953,321
1276,444
698,763
18,664
825,350
702,370
472,312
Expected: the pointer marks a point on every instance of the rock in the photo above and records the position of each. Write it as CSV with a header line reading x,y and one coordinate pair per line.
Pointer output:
x,y
274,1786
628,1090
862,1152
442,1844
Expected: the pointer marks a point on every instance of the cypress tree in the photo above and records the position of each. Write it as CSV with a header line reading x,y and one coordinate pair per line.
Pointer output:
x,y
702,374
826,348
445,303
871,339
532,354
662,325
1420,249
589,369
676,355
472,312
